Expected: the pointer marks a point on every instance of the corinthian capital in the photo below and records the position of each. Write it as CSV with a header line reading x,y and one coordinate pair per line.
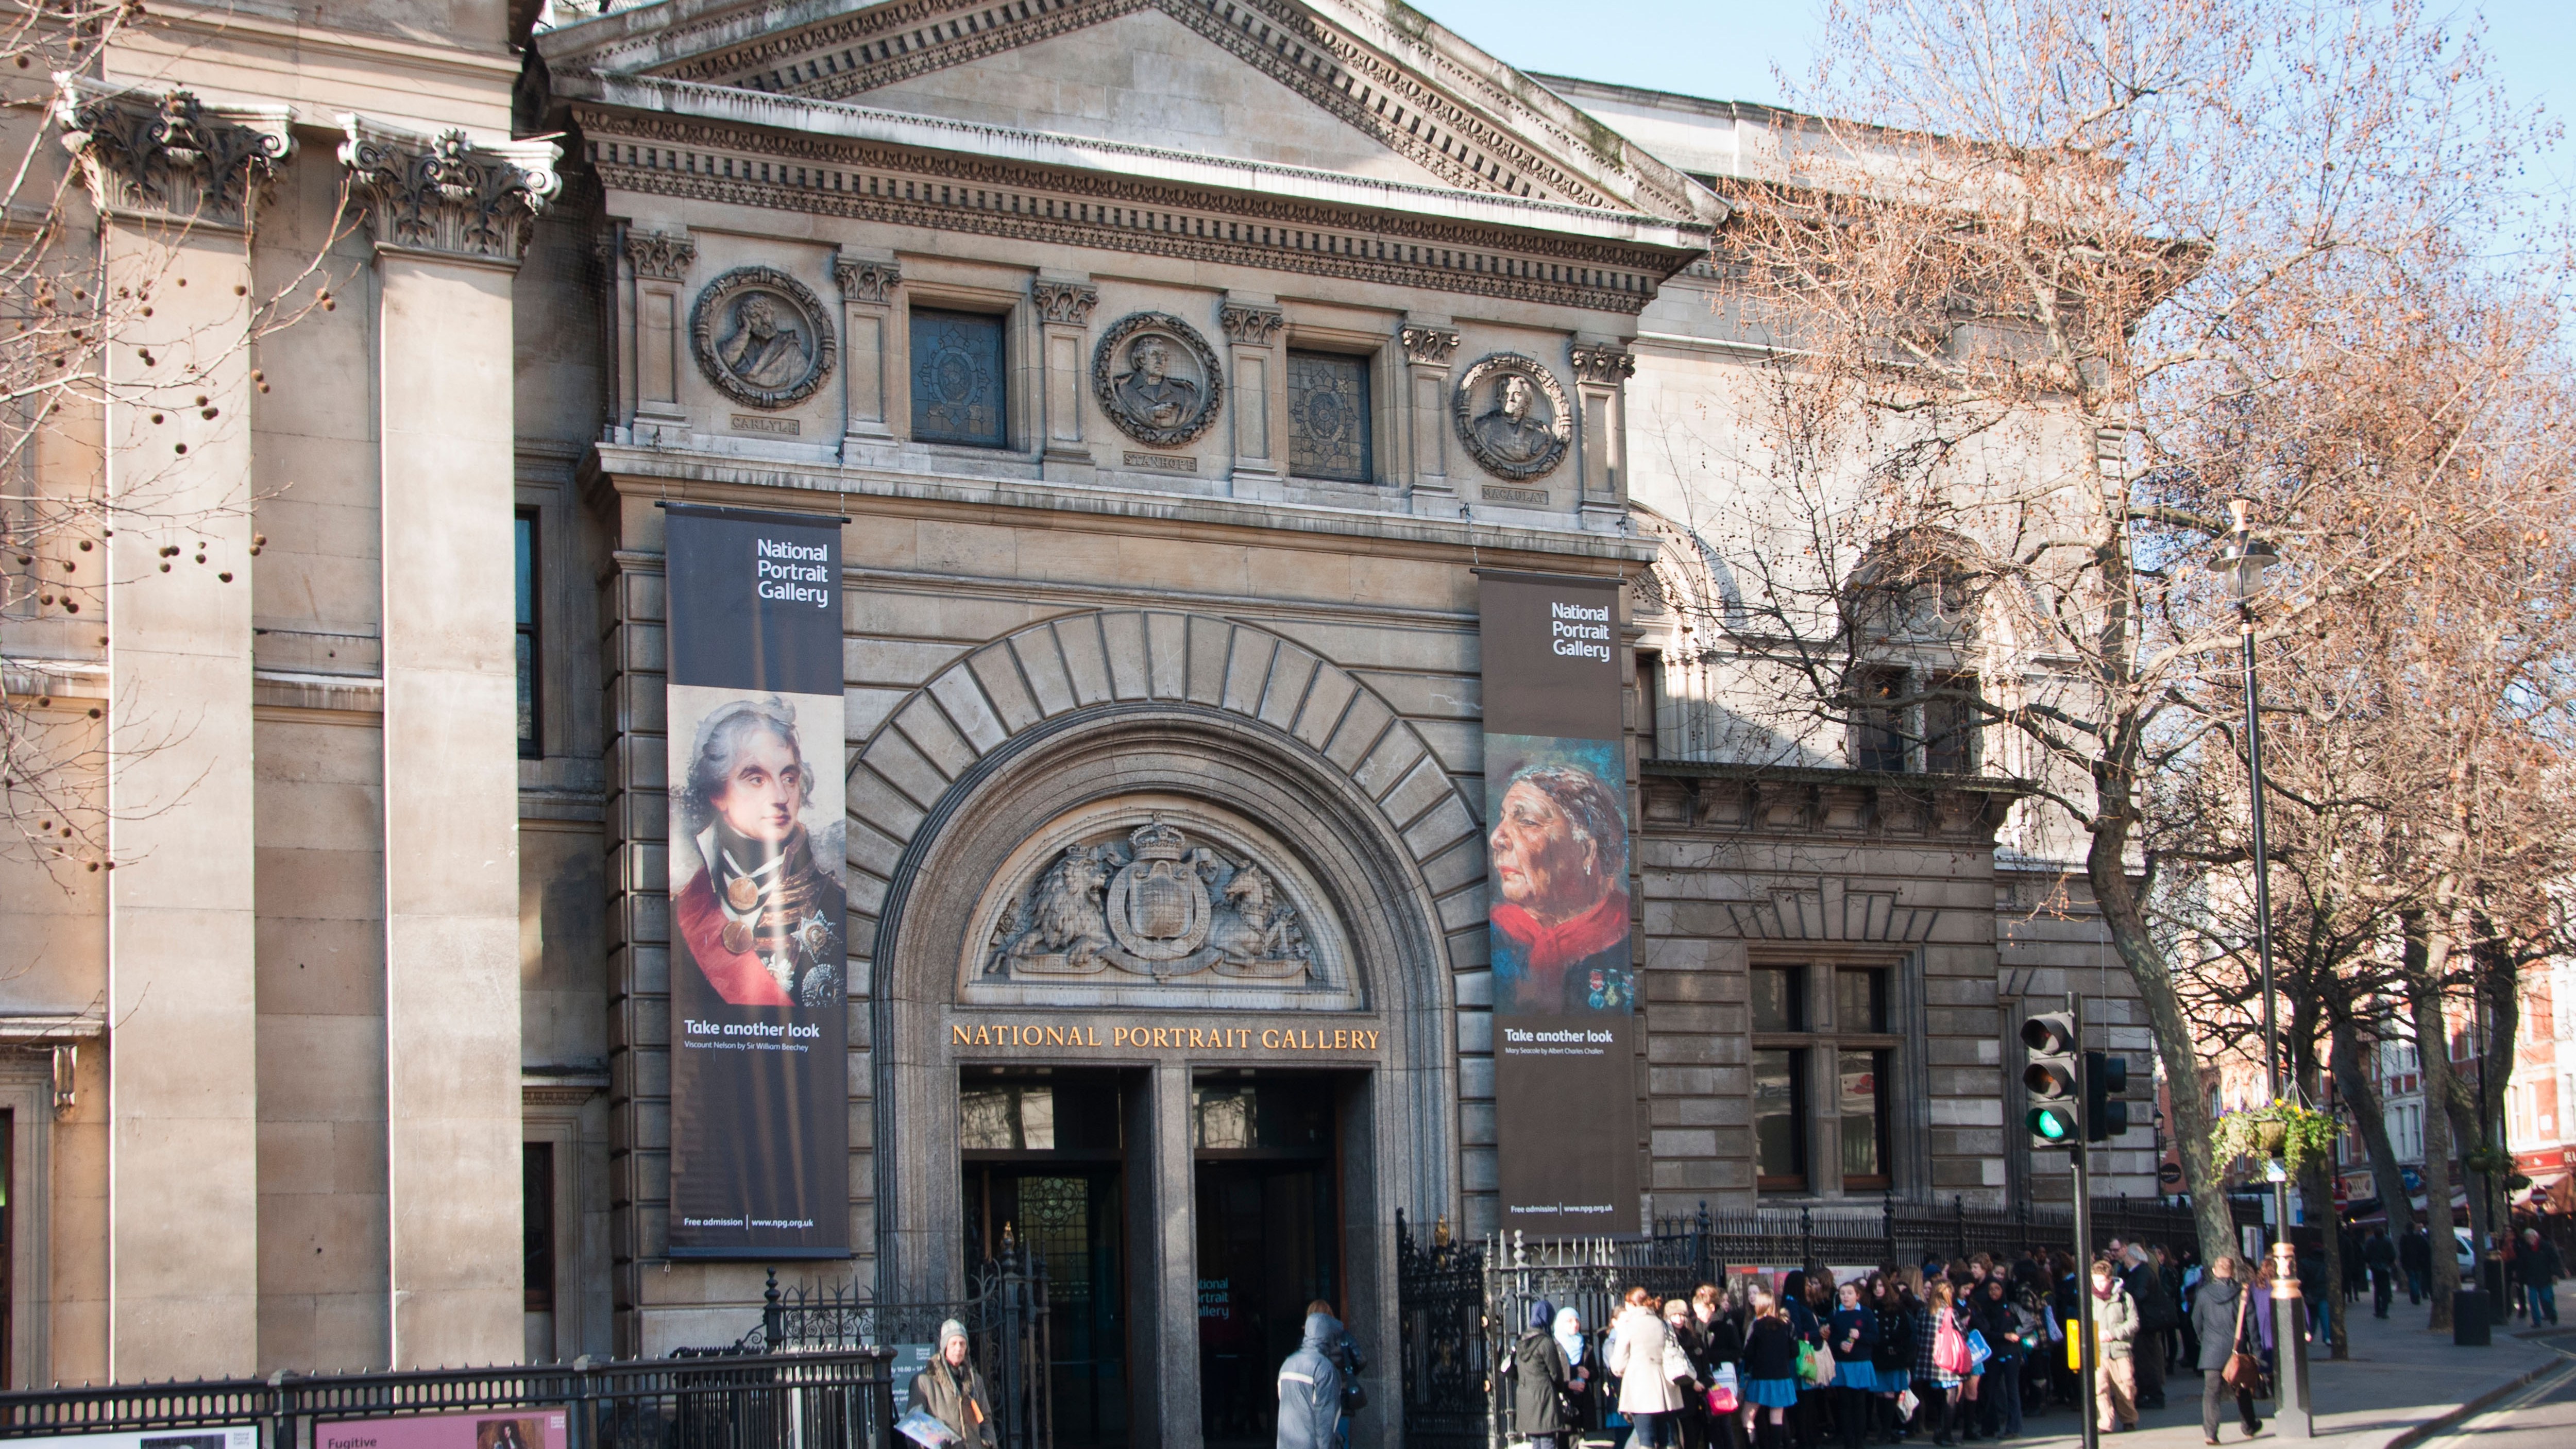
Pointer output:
x,y
1607,365
168,154
447,193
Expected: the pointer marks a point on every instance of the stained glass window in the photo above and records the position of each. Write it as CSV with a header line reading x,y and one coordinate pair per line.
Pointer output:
x,y
1328,416
957,390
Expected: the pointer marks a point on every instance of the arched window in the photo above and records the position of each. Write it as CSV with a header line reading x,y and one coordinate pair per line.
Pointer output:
x,y
1913,699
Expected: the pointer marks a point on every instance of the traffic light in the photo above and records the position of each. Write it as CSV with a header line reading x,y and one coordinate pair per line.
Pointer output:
x,y
2050,1041
2105,1077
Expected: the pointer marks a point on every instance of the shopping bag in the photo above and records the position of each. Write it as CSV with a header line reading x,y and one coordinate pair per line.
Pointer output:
x,y
924,1429
1906,1404
1826,1368
1722,1391
1806,1363
1978,1351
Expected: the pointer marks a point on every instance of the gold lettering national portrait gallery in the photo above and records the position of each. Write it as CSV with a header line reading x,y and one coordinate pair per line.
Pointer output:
x,y
1168,1038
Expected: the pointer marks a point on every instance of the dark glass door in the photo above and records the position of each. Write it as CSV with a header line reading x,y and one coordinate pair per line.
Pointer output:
x,y
1269,1241
1042,1165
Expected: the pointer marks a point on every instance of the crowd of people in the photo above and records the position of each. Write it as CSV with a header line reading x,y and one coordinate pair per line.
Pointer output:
x,y
1952,1352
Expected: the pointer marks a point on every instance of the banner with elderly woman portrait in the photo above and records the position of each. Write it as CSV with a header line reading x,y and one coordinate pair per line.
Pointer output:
x,y
1557,857
760,1143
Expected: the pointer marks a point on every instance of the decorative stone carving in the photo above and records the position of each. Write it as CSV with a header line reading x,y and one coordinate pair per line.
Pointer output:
x,y
1432,346
872,282
762,337
1066,304
1607,366
660,256
1153,906
1248,326
1157,379
448,194
1512,417
171,154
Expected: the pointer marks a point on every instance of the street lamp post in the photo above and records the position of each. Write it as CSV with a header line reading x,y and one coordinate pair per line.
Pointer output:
x,y
2244,561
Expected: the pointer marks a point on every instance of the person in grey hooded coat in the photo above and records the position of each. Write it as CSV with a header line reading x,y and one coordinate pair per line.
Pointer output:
x,y
2214,1306
1310,1389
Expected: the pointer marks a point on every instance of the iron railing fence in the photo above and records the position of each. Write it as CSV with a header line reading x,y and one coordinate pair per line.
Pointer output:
x,y
841,1399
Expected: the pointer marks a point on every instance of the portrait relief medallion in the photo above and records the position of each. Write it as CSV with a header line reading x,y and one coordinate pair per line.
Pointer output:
x,y
1512,417
1157,379
762,337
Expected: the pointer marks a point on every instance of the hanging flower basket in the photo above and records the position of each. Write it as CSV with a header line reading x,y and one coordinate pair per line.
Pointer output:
x,y
2491,1160
2284,1130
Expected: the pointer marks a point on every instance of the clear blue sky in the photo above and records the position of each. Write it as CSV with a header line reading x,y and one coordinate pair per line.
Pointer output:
x,y
1726,49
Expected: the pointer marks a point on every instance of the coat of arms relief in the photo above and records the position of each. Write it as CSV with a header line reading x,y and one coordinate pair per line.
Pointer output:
x,y
1155,905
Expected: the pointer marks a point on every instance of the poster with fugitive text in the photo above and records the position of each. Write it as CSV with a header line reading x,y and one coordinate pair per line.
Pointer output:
x,y
1557,861
489,1429
759,1030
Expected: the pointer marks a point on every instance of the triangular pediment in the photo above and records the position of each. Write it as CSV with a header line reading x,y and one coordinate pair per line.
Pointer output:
x,y
1363,87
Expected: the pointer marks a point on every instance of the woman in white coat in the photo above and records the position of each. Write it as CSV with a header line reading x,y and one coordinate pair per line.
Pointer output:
x,y
1641,1356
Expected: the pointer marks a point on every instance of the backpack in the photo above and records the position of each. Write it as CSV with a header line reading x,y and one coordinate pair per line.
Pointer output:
x,y
1950,1347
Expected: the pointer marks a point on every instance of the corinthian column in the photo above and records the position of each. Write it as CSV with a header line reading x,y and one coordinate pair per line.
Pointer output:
x,y
451,219
176,183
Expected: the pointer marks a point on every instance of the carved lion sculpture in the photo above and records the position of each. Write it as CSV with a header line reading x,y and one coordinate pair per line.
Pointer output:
x,y
1065,915
1261,927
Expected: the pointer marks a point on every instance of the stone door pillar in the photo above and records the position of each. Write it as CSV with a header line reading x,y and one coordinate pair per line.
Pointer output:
x,y
1601,373
451,221
1251,334
867,320
1064,320
1162,1228
1428,349
176,183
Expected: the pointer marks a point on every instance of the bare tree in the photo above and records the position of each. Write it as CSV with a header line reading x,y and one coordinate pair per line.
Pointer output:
x,y
2085,274
62,304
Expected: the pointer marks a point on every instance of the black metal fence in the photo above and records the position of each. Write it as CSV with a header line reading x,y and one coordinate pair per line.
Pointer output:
x,y
1006,1323
822,1400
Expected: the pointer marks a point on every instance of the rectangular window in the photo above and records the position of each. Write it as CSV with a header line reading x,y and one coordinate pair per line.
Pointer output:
x,y
1950,718
1860,998
1878,723
958,386
1779,1122
537,1223
1779,998
1328,417
1864,1120
1650,703
532,745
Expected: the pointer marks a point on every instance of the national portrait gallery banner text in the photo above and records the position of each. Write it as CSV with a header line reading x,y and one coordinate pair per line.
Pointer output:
x,y
760,1133
1556,802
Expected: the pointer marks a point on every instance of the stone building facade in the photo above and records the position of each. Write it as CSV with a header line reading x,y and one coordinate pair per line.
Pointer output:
x,y
1173,368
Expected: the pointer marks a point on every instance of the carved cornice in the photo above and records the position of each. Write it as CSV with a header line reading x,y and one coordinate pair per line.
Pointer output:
x,y
715,161
1430,346
660,256
871,282
172,155
1065,304
447,194
1602,365
1384,98
1250,326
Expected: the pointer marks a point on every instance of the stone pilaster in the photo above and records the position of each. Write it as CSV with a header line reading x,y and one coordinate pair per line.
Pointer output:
x,y
867,326
1252,337
176,182
1064,322
658,263
451,219
1429,346
1601,373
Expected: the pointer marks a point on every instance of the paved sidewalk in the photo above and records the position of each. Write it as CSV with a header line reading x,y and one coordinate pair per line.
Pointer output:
x,y
2400,1380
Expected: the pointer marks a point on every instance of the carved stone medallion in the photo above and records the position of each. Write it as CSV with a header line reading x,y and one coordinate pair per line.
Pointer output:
x,y
762,337
1157,379
1512,416
1154,905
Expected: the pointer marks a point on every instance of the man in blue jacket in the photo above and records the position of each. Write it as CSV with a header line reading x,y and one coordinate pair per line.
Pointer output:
x,y
1310,1389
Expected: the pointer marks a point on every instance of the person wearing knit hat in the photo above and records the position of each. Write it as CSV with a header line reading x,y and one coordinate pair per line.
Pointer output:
x,y
954,1392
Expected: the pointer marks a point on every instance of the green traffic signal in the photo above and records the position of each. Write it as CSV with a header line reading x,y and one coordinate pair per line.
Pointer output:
x,y
2052,1075
2052,1124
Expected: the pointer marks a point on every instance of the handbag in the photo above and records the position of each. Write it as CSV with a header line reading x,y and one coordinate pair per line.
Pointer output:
x,y
1949,1349
1722,1390
1677,1363
2243,1370
1825,1367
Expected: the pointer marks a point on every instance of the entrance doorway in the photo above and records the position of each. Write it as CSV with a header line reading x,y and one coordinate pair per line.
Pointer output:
x,y
1044,1163
1266,1150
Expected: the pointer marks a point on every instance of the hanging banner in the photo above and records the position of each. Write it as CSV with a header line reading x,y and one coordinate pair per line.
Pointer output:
x,y
760,1129
1556,857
